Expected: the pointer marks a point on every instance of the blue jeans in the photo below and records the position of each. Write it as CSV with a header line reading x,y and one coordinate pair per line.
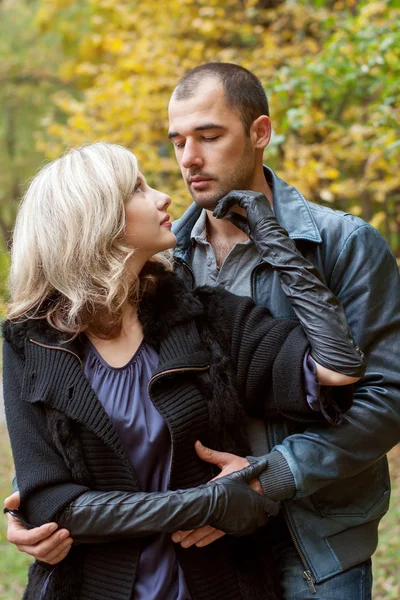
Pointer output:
x,y
354,584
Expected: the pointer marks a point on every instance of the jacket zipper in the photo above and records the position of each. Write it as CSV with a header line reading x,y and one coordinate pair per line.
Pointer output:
x,y
56,348
188,268
177,370
307,572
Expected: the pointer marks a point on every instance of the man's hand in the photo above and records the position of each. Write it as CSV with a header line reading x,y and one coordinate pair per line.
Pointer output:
x,y
228,463
44,543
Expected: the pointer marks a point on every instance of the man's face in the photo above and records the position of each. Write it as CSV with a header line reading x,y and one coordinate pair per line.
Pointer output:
x,y
214,154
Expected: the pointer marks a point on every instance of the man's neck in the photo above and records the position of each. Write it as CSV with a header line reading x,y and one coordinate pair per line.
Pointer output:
x,y
224,231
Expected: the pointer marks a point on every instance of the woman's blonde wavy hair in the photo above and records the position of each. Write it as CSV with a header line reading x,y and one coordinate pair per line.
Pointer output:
x,y
69,259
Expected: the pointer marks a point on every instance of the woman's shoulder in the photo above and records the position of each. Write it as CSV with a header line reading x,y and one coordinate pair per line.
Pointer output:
x,y
17,331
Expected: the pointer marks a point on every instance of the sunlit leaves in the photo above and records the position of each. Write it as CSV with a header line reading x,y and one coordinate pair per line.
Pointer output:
x,y
331,70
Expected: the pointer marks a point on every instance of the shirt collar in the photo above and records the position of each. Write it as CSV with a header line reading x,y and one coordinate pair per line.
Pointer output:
x,y
291,209
199,232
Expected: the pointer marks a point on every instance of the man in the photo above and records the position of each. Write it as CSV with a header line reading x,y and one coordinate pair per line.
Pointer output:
x,y
333,482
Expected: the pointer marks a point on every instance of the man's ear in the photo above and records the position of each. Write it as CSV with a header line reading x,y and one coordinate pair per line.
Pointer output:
x,y
260,132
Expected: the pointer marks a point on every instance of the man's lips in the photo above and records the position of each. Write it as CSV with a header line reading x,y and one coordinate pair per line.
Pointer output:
x,y
199,182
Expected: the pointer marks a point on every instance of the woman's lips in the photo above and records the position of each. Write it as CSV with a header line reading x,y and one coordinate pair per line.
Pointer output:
x,y
166,222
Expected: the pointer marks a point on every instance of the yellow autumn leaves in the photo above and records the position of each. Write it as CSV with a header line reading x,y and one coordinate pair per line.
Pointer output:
x,y
331,71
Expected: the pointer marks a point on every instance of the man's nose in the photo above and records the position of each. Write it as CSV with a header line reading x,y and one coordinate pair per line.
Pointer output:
x,y
191,156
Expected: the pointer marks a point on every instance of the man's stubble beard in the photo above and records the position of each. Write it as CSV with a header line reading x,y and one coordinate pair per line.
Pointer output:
x,y
240,179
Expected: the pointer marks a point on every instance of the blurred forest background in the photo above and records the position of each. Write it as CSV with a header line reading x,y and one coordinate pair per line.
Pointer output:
x,y
73,72
77,71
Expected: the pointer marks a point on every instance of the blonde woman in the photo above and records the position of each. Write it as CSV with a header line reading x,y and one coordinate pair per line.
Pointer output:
x,y
113,372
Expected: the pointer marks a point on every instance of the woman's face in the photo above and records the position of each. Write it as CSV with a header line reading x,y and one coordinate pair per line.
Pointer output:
x,y
148,227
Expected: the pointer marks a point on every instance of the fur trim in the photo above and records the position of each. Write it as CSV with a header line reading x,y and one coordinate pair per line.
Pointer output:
x,y
65,434
17,332
170,304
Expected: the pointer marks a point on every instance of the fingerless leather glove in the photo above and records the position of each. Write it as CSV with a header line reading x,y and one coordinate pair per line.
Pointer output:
x,y
228,503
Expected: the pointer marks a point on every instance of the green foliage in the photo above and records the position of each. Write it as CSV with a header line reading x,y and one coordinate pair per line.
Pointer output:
x,y
28,76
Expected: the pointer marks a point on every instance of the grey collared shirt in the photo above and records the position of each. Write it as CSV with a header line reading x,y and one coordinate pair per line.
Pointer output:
x,y
235,276
235,272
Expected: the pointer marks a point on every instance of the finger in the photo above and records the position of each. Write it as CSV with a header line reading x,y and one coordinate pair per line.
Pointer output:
x,y
197,535
51,547
59,557
260,466
256,486
211,456
17,534
255,469
58,553
239,221
13,501
178,536
224,205
209,539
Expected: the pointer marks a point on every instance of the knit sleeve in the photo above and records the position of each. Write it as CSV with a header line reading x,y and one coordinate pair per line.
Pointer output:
x,y
267,354
45,483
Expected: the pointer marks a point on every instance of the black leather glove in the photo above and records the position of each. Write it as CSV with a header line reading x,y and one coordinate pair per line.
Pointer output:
x,y
228,503
320,313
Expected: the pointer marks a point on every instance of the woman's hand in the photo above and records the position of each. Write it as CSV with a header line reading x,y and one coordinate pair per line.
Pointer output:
x,y
228,463
46,543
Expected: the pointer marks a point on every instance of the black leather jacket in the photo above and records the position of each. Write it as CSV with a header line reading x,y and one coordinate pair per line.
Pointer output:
x,y
341,474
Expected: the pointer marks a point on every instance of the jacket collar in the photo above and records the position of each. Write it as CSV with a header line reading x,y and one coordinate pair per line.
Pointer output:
x,y
171,308
291,209
168,319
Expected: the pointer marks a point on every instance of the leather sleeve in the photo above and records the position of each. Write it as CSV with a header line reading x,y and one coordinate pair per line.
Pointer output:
x,y
228,503
366,280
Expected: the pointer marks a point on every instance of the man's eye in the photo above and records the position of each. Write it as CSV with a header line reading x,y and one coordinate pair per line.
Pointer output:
x,y
179,144
211,139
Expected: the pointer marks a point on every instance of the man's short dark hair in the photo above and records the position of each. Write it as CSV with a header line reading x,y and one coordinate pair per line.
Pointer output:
x,y
242,89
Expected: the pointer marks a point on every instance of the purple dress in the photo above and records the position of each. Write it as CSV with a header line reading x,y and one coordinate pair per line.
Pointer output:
x,y
146,440
145,437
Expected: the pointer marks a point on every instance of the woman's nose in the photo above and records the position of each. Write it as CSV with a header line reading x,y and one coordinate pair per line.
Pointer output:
x,y
163,201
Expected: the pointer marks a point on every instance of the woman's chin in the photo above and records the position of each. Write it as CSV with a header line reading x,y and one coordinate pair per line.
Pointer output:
x,y
167,243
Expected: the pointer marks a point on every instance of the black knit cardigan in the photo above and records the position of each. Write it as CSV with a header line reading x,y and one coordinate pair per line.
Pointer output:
x,y
220,358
